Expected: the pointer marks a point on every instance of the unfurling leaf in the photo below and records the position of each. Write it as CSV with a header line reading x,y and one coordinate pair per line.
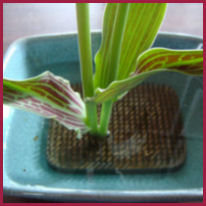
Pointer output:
x,y
151,62
107,58
141,27
49,96
143,23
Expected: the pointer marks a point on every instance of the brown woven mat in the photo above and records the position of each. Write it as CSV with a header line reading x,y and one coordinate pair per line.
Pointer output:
x,y
145,135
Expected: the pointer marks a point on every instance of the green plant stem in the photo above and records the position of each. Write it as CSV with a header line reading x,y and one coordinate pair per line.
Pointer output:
x,y
105,117
85,51
115,49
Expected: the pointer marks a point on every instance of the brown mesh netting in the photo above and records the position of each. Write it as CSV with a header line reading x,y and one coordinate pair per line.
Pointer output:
x,y
145,134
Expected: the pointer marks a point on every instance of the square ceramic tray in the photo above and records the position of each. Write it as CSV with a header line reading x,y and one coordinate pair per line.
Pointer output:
x,y
25,169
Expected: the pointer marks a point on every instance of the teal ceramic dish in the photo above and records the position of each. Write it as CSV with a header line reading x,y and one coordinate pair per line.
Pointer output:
x,y
25,169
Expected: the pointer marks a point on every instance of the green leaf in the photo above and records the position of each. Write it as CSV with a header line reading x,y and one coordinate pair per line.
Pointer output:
x,y
107,58
49,96
151,62
141,25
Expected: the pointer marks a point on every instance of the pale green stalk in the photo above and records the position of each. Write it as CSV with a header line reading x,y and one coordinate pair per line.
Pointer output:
x,y
85,52
115,49
105,118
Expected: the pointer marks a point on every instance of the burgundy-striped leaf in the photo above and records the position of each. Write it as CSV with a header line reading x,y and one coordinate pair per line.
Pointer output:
x,y
49,96
185,61
150,62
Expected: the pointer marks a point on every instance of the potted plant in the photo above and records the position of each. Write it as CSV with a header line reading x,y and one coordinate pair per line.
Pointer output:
x,y
123,61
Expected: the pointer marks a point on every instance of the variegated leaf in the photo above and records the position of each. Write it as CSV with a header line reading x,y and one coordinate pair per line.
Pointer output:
x,y
185,61
151,62
49,96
